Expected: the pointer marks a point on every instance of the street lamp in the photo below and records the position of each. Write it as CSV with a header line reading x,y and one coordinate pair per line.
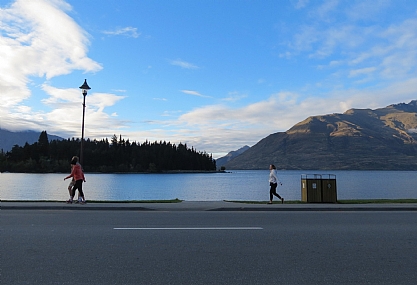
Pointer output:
x,y
84,89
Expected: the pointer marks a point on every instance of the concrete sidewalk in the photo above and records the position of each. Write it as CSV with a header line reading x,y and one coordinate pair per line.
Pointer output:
x,y
205,206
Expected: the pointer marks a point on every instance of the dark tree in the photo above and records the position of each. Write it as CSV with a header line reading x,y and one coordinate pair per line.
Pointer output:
x,y
43,144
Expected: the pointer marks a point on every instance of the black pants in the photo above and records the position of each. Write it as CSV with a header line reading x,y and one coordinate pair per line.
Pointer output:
x,y
273,191
78,185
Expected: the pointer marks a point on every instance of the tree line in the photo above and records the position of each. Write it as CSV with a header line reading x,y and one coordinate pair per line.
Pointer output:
x,y
118,155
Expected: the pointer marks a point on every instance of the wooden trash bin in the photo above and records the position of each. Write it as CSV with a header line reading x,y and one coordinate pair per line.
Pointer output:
x,y
318,188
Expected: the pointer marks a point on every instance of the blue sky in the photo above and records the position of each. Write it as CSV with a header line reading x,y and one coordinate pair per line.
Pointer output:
x,y
216,75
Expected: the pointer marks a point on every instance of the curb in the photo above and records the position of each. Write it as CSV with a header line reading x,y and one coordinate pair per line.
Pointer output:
x,y
77,208
206,206
320,209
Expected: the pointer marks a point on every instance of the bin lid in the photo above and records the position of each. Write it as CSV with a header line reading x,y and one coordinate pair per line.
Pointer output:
x,y
318,176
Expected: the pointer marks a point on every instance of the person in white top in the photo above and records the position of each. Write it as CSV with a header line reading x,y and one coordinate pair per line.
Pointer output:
x,y
273,183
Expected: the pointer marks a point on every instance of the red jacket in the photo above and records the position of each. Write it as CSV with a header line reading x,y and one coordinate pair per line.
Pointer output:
x,y
77,173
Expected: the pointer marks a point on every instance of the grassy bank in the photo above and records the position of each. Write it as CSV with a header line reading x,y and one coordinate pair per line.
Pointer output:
x,y
98,201
359,201
377,201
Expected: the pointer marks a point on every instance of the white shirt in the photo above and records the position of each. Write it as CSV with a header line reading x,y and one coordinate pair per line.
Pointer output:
x,y
273,178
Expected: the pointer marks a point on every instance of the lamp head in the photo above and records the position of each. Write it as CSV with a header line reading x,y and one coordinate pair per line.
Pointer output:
x,y
84,88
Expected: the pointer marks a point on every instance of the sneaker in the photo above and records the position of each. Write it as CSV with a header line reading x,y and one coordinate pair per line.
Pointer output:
x,y
68,201
82,202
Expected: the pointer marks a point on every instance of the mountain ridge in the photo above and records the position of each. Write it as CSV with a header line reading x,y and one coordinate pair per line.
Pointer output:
x,y
362,139
8,139
231,155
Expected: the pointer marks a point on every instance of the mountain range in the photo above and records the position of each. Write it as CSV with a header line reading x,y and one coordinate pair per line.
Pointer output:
x,y
228,157
8,139
362,139
359,139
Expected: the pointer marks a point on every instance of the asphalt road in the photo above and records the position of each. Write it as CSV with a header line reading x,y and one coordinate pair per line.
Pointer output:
x,y
207,247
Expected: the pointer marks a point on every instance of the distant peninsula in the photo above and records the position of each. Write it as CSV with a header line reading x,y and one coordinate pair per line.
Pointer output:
x,y
115,156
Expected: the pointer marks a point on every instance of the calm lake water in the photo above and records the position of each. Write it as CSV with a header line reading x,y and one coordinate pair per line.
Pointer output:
x,y
236,185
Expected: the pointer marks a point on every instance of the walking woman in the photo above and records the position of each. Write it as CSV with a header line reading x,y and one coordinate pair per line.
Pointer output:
x,y
78,175
273,183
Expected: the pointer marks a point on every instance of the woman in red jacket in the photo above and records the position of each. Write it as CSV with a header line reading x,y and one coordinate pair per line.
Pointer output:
x,y
78,175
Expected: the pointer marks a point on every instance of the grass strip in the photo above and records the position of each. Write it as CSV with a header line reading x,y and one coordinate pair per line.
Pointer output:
x,y
265,202
99,201
358,201
377,201
137,201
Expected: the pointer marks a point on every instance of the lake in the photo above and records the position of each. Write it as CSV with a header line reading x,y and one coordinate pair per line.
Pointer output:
x,y
234,185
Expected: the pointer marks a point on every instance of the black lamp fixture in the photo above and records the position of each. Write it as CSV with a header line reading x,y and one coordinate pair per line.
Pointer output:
x,y
84,89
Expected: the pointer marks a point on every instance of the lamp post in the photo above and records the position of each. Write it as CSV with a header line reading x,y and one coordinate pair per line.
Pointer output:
x,y
84,89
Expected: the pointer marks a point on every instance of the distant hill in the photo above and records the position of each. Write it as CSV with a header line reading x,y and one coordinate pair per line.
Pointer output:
x,y
8,139
223,160
363,139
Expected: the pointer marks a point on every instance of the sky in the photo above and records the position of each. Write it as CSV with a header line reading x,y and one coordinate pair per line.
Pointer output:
x,y
216,75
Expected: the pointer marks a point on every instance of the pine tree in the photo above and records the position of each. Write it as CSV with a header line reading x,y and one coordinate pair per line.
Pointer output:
x,y
43,144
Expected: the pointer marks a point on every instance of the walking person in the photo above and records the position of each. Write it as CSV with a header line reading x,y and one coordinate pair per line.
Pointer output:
x,y
78,175
71,185
273,183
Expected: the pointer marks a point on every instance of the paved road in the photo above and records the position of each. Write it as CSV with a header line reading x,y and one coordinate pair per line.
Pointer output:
x,y
207,247
207,206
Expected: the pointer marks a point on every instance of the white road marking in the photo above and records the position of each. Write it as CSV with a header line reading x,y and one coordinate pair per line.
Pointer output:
x,y
210,228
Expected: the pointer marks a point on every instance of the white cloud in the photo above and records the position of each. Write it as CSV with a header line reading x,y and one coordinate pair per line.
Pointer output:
x,y
67,111
366,10
39,44
299,4
263,113
194,93
325,10
39,40
183,64
234,97
361,71
130,32
358,53
170,114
